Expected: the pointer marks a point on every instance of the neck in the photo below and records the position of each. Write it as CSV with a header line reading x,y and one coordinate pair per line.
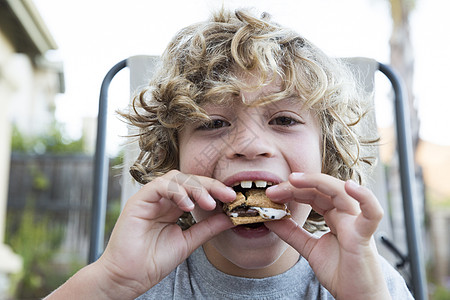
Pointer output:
x,y
287,260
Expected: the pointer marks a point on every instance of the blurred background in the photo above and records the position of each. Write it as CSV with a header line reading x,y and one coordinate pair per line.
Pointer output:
x,y
54,55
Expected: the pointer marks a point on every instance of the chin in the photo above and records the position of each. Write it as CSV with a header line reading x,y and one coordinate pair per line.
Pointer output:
x,y
255,261
250,254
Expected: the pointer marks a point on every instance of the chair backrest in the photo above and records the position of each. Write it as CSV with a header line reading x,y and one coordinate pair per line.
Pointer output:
x,y
141,70
365,69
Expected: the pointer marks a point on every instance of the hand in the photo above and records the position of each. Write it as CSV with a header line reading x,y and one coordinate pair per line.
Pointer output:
x,y
345,259
146,244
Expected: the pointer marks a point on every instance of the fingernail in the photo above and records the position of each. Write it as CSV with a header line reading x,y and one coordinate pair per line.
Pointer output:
x,y
229,188
272,191
353,184
272,188
296,175
231,191
211,199
190,206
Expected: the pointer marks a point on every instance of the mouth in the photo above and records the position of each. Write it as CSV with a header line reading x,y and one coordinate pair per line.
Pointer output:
x,y
251,231
252,207
246,185
253,225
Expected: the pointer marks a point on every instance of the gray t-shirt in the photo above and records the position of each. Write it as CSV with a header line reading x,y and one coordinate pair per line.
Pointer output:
x,y
197,278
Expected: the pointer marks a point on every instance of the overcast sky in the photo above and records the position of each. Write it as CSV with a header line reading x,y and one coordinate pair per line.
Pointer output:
x,y
94,35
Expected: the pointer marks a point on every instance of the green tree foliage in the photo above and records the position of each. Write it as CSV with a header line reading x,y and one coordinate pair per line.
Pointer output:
x,y
54,141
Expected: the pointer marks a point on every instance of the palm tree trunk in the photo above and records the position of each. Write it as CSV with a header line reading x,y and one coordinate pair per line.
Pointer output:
x,y
402,56
402,60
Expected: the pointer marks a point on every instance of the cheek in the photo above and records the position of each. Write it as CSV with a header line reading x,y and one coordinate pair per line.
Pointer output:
x,y
306,159
199,157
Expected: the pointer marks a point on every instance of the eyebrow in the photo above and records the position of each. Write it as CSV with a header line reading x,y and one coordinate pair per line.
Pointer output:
x,y
292,99
264,98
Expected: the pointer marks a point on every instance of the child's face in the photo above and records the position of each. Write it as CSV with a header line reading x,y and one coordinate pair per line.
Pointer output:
x,y
267,143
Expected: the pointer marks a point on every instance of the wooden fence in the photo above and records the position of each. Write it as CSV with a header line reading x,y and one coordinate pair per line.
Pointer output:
x,y
60,188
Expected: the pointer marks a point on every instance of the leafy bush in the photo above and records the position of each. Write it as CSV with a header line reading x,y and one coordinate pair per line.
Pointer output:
x,y
36,241
37,235
34,235
440,293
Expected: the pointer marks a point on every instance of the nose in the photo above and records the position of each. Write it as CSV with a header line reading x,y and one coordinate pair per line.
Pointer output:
x,y
249,140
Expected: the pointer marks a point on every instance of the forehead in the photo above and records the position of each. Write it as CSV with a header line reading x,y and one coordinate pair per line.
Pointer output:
x,y
268,97
253,89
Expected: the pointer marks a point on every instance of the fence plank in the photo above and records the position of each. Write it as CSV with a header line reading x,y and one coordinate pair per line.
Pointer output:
x,y
60,187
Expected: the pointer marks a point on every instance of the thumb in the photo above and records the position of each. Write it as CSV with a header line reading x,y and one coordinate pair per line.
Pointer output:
x,y
203,231
293,234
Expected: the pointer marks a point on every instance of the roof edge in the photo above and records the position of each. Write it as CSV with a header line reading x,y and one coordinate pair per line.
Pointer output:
x,y
28,15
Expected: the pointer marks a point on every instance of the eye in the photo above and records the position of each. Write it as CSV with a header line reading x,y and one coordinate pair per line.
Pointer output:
x,y
214,124
284,121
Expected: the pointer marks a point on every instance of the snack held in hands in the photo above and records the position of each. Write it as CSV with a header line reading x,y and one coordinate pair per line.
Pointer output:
x,y
253,206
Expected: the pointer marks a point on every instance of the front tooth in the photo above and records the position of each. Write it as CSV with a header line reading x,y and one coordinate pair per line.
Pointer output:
x,y
246,184
261,183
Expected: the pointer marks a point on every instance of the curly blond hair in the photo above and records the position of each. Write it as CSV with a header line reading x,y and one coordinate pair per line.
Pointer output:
x,y
200,65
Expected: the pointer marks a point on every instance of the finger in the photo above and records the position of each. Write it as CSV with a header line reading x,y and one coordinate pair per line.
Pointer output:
x,y
293,234
184,189
330,186
371,210
285,192
217,189
157,193
165,209
169,187
195,189
203,231
205,190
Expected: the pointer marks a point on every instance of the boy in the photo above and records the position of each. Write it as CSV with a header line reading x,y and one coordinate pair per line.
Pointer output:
x,y
242,101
